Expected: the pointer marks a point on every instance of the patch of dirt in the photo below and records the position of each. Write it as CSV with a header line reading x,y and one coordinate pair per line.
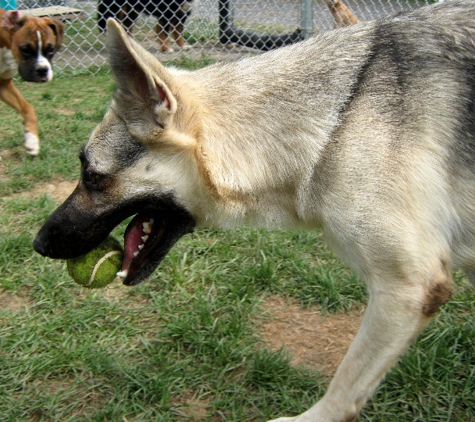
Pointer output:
x,y
117,294
191,408
318,341
13,302
77,389
65,111
59,190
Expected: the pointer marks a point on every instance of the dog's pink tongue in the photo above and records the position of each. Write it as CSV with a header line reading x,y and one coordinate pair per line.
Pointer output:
x,y
135,237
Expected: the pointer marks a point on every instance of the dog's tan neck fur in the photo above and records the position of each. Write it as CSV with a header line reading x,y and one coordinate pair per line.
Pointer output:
x,y
257,91
185,105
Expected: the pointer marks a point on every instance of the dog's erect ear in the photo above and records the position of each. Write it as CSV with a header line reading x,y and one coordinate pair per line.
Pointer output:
x,y
11,20
58,29
144,86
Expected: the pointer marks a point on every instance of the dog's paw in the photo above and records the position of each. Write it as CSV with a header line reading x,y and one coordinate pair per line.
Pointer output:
x,y
186,47
32,144
167,50
295,419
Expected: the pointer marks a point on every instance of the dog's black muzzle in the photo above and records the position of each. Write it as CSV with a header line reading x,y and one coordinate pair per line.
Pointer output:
x,y
33,72
75,228
72,231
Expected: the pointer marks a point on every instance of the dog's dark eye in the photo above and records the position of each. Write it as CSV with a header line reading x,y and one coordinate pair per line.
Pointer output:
x,y
93,180
49,51
27,50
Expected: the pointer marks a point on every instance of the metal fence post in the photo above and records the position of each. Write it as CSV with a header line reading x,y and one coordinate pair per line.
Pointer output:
x,y
306,18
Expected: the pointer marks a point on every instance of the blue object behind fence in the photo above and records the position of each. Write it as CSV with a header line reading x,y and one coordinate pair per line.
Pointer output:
x,y
8,4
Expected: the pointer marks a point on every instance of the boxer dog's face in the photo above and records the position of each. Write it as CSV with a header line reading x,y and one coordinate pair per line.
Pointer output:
x,y
35,42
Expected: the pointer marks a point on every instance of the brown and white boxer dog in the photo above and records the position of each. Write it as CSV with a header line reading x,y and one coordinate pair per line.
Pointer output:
x,y
27,46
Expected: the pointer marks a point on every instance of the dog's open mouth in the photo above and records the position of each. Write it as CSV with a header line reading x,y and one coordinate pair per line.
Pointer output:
x,y
147,240
72,231
141,240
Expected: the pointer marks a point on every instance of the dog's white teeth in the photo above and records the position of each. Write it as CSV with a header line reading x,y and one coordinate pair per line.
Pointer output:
x,y
147,226
122,274
147,229
140,247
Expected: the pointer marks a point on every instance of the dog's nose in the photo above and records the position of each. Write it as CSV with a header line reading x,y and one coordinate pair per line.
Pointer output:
x,y
40,246
42,73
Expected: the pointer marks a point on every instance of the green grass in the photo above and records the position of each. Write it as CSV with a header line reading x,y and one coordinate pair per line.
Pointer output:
x,y
68,109
185,345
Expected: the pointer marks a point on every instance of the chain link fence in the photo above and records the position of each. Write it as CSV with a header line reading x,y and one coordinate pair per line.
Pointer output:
x,y
194,29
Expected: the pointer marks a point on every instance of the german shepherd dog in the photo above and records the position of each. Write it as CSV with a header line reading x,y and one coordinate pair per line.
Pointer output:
x,y
171,17
367,132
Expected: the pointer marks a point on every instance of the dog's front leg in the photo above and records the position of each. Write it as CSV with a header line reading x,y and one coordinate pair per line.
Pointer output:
x,y
10,95
392,320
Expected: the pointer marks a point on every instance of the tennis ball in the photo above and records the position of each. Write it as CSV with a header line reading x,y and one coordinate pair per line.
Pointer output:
x,y
99,267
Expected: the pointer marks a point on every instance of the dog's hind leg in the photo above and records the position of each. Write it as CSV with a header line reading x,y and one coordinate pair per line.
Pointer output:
x,y
396,313
10,95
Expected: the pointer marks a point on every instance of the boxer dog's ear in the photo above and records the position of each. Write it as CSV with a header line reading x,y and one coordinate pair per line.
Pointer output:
x,y
58,29
12,20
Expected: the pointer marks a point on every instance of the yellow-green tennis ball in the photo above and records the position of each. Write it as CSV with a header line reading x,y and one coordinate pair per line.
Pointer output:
x,y
99,267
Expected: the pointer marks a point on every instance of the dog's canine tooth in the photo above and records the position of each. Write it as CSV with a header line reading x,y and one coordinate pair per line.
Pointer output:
x,y
147,227
122,274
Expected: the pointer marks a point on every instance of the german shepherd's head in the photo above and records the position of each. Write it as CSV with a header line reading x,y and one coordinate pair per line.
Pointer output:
x,y
139,161
221,146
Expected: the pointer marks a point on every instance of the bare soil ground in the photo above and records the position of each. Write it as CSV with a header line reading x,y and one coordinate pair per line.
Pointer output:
x,y
319,341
